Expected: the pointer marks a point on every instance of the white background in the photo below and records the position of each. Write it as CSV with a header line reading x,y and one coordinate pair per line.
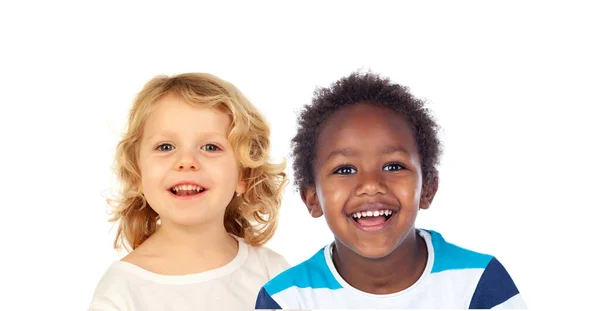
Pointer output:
x,y
514,84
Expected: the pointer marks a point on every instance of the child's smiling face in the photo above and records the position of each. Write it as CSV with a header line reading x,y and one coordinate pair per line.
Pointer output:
x,y
188,167
368,180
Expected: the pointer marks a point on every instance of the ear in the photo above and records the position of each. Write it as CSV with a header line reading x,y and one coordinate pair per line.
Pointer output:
x,y
241,186
428,192
310,199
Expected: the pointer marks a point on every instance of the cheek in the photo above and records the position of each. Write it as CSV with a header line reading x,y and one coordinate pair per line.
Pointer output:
x,y
223,171
153,172
408,191
333,194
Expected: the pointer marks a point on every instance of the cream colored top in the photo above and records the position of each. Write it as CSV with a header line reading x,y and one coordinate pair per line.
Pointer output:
x,y
235,286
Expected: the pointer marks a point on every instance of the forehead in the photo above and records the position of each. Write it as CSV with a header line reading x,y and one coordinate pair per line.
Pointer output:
x,y
365,127
172,113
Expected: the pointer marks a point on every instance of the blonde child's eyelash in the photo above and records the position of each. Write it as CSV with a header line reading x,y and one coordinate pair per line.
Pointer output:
x,y
219,148
163,144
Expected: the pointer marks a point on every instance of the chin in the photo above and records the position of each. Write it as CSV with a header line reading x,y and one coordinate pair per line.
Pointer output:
x,y
373,253
193,220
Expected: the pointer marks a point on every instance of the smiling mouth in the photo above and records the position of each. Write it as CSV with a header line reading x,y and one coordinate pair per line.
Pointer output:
x,y
186,190
372,218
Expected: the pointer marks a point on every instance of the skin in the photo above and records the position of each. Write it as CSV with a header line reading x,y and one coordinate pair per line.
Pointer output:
x,y
186,143
366,155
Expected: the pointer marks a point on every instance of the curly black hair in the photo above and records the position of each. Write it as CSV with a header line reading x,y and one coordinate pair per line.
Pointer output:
x,y
353,89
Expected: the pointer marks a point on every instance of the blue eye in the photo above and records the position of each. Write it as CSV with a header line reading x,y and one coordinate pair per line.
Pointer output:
x,y
345,170
165,147
210,147
393,167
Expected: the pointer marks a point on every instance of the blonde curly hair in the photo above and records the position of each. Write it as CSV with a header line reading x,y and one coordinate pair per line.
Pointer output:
x,y
253,215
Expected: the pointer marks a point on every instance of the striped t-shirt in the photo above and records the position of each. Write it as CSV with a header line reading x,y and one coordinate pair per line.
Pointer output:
x,y
454,277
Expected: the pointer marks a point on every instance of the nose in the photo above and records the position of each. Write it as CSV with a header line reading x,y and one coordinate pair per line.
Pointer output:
x,y
187,162
370,184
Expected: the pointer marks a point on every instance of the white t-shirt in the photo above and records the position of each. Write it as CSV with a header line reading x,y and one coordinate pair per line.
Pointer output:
x,y
234,286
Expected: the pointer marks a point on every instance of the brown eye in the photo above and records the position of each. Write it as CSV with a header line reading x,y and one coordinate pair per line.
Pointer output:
x,y
345,170
393,167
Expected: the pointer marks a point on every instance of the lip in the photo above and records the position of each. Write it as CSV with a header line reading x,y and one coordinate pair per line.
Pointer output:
x,y
376,227
187,197
186,182
374,206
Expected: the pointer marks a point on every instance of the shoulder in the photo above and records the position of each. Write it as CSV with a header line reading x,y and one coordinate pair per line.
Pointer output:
x,y
112,292
272,261
448,256
493,285
267,255
313,273
496,289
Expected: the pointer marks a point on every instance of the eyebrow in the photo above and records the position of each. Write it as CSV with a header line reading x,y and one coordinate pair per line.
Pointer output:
x,y
170,134
349,152
394,149
152,135
343,152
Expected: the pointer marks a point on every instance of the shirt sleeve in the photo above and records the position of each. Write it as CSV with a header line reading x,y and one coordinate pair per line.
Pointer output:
x,y
496,290
104,304
110,294
276,264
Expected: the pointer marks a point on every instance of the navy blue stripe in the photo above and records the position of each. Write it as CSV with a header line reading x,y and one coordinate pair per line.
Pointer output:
x,y
264,301
495,287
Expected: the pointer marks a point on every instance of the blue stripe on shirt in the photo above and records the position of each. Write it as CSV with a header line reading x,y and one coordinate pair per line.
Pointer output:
x,y
313,273
451,257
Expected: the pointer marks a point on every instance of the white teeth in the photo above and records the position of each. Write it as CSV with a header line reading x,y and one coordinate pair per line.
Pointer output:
x,y
372,213
187,187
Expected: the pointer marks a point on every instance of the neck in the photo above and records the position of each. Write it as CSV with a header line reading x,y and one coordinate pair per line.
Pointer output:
x,y
390,274
205,242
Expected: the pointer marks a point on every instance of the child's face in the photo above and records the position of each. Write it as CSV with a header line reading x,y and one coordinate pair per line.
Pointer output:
x,y
367,161
188,167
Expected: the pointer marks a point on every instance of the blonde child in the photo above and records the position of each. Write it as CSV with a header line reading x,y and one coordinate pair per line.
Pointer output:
x,y
199,200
